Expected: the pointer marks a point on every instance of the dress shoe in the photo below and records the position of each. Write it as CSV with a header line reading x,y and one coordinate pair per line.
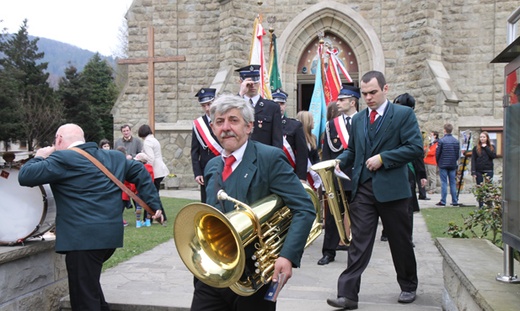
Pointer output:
x,y
342,302
384,238
426,199
325,260
440,204
406,297
342,248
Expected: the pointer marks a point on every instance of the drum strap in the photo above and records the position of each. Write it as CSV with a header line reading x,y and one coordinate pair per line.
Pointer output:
x,y
114,179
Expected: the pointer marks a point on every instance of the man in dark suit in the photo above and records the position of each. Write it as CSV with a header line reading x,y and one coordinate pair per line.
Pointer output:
x,y
89,223
252,172
204,144
268,122
336,138
385,138
294,144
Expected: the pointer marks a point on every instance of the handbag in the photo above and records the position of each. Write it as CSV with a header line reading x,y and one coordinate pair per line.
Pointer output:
x,y
114,179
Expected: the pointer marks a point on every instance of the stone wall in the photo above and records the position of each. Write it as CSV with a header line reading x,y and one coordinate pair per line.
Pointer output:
x,y
438,51
32,277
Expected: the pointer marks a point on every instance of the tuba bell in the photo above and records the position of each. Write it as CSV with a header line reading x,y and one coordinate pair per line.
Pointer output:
x,y
212,244
326,170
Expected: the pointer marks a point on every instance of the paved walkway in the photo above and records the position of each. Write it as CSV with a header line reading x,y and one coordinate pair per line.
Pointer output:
x,y
158,280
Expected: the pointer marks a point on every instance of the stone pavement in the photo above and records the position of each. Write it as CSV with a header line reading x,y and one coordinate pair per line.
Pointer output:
x,y
158,280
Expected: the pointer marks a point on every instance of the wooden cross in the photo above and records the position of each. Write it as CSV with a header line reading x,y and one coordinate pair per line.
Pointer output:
x,y
151,60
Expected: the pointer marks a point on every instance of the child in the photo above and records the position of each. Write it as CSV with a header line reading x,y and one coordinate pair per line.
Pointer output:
x,y
142,157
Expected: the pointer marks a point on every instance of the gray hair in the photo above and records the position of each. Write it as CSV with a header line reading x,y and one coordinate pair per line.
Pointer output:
x,y
224,103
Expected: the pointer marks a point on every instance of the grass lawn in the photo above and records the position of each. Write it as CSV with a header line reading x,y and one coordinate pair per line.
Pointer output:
x,y
140,240
437,219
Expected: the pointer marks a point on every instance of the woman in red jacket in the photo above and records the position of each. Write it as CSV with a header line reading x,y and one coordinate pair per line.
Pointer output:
x,y
431,163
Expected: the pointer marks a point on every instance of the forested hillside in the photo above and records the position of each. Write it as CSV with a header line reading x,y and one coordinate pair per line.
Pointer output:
x,y
61,55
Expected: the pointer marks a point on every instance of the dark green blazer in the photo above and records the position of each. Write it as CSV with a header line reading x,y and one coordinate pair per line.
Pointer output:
x,y
398,141
88,204
265,170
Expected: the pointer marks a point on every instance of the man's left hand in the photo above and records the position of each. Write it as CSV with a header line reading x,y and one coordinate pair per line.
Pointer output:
x,y
374,163
157,214
282,265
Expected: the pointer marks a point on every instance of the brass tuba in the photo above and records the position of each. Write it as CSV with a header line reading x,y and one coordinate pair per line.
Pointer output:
x,y
326,171
212,244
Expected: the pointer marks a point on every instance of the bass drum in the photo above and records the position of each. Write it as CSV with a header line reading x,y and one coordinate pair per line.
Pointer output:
x,y
26,211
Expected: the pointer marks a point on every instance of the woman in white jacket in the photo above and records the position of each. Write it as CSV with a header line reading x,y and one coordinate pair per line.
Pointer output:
x,y
152,149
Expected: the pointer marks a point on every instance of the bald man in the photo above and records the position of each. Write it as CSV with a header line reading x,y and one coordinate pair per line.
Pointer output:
x,y
89,223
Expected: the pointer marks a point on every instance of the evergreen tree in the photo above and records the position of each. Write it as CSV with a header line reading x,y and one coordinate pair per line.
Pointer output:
x,y
102,92
30,103
88,98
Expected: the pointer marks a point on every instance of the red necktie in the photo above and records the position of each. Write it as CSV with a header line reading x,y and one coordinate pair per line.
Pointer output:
x,y
227,167
373,115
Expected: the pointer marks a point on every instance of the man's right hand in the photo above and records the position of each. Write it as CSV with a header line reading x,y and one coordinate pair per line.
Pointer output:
x,y
45,152
244,86
200,180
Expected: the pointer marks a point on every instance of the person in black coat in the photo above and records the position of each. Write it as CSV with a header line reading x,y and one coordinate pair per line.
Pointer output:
x,y
204,144
268,119
482,160
294,145
336,140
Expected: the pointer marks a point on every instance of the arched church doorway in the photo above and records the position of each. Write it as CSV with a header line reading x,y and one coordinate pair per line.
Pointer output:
x,y
307,65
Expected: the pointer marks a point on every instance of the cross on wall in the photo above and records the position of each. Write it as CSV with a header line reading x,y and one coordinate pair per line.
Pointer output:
x,y
151,60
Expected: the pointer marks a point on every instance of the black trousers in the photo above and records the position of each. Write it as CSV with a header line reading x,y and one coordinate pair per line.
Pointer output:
x,y
207,298
84,271
364,214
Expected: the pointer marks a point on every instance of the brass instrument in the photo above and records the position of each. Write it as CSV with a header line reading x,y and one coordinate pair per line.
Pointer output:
x,y
326,171
212,244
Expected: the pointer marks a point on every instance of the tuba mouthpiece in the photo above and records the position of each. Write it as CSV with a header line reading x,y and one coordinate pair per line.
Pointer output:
x,y
222,195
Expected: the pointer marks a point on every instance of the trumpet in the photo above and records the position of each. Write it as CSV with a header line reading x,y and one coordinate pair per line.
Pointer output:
x,y
212,244
326,170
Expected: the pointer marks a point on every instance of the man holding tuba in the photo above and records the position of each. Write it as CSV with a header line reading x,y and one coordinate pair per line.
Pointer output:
x,y
336,138
385,137
249,171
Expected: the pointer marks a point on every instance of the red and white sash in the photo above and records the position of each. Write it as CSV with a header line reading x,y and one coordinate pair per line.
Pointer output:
x,y
289,152
204,136
341,128
312,177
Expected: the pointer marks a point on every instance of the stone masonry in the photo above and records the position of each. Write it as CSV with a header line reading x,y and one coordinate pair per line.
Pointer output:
x,y
438,51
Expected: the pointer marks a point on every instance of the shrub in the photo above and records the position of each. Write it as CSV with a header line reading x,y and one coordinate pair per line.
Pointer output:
x,y
485,222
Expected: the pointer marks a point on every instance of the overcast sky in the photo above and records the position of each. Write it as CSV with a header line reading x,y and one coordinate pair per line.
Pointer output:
x,y
89,24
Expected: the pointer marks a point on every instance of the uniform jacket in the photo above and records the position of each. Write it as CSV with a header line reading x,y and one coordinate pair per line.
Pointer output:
x,y
332,148
88,203
268,123
152,148
292,129
200,155
265,170
398,141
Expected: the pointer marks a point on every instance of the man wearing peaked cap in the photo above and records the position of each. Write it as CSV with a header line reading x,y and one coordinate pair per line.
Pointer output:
x,y
337,134
279,96
294,144
348,91
204,144
267,125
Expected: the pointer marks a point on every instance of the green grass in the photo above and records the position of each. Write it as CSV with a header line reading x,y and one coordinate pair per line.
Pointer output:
x,y
437,219
140,240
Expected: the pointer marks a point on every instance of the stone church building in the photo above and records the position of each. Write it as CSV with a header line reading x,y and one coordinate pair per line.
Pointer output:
x,y
438,51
